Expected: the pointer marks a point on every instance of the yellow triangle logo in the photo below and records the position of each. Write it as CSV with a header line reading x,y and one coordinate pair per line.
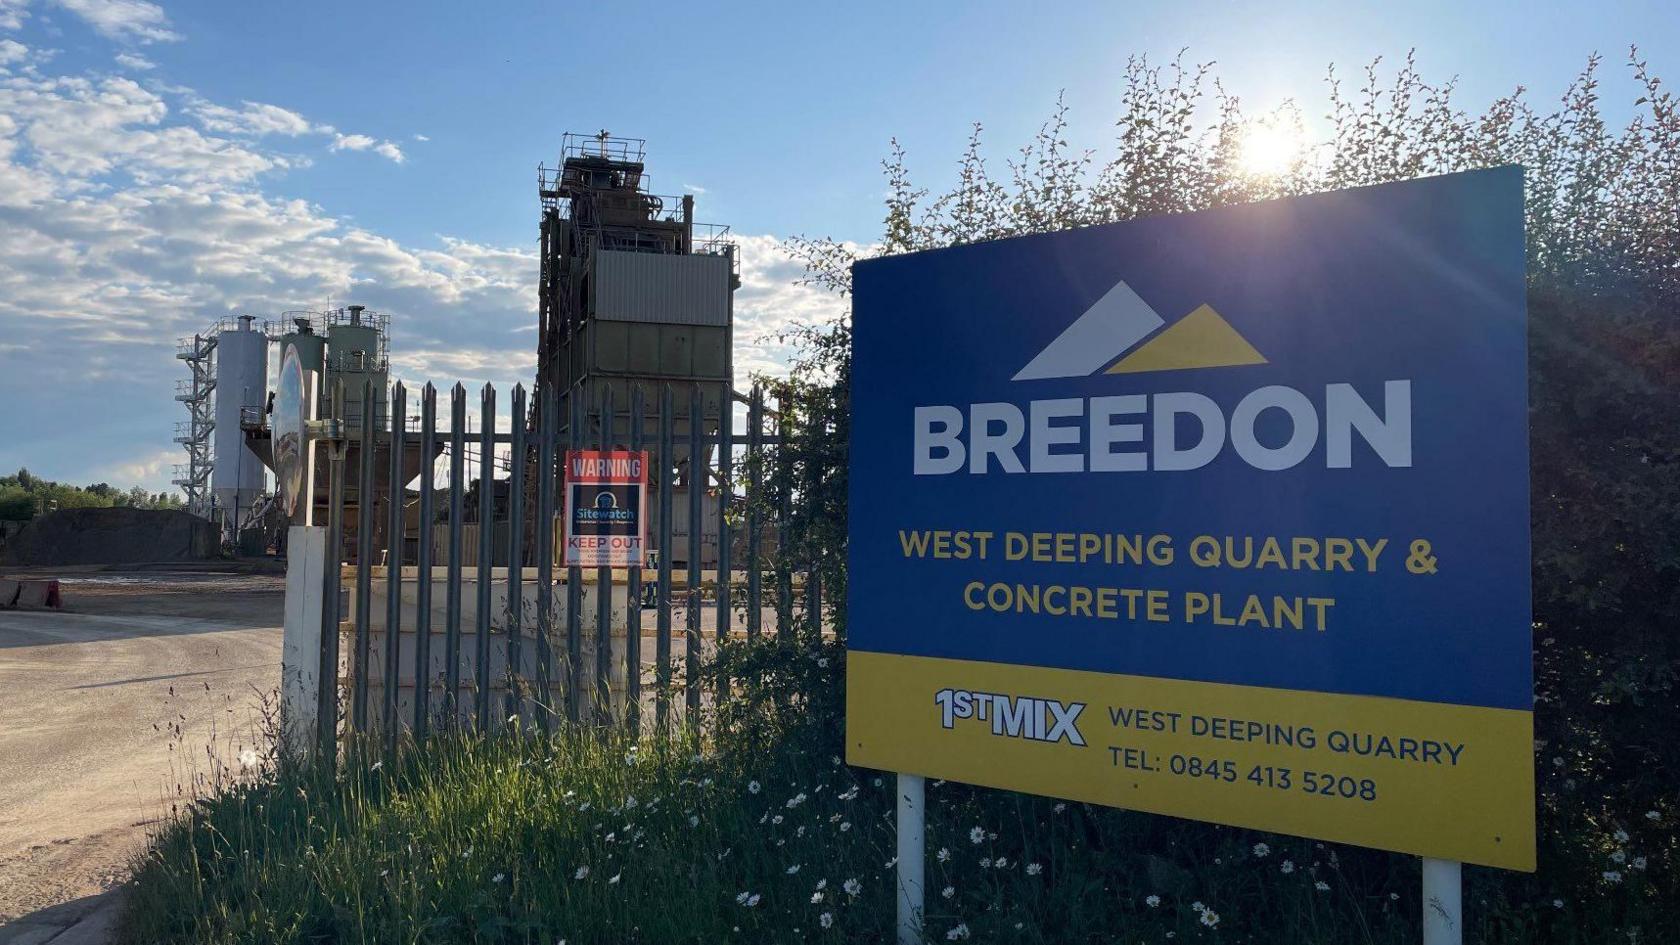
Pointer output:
x,y
1200,339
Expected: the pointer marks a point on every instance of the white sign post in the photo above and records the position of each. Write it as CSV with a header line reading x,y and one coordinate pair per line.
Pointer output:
x,y
912,856
1443,902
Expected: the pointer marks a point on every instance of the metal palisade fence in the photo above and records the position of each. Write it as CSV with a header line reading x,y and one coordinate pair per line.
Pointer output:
x,y
454,602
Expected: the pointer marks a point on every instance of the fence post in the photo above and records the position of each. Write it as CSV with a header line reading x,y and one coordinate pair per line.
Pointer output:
x,y
696,525
574,585
392,675
331,586
755,488
633,594
667,531
457,510
365,489
545,425
516,548
486,550
604,589
726,492
423,566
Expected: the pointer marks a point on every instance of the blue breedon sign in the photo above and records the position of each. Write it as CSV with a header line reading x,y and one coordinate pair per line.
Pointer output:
x,y
1221,515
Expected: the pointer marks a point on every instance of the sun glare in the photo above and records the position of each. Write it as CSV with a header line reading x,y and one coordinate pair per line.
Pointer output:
x,y
1270,149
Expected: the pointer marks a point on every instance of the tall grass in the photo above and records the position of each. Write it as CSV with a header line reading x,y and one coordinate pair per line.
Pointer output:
x,y
763,835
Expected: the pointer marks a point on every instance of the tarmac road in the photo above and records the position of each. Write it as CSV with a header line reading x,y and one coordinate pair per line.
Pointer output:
x,y
109,709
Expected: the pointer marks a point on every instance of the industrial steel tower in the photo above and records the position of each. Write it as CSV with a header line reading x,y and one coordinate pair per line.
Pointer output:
x,y
632,292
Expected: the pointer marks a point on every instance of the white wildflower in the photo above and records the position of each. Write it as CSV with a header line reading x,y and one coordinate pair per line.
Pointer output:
x,y
498,877
1152,901
852,886
1652,815
615,878
822,884
822,663
958,932
741,899
693,821
1286,867
776,819
1210,918
793,869
877,782
1620,835
890,863
376,765
944,855
845,826
1618,857
826,920
1197,906
1612,876
582,872
800,832
948,891
753,787
796,800
1000,863
1260,850
985,862
1033,869
1638,863
1557,903
1059,808
1321,886
977,836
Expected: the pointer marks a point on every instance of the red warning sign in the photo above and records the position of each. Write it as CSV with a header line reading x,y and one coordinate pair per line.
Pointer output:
x,y
606,508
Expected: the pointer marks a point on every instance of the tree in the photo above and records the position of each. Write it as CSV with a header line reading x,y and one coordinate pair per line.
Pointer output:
x,y
1603,245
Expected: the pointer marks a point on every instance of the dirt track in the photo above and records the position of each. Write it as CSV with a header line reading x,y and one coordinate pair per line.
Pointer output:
x,y
109,708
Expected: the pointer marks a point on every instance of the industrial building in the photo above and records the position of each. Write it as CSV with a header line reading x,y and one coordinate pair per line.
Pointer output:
x,y
632,293
228,366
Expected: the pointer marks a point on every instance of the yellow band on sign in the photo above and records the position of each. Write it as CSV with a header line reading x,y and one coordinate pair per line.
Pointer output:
x,y
1447,781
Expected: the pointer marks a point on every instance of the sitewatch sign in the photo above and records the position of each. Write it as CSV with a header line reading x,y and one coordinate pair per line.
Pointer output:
x,y
1222,515
606,508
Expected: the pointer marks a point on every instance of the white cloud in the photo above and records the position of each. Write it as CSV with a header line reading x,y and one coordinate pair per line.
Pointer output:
x,y
254,119
124,20
131,216
135,61
13,13
421,138
12,52
344,142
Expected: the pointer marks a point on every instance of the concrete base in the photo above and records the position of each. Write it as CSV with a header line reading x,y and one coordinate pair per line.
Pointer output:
x,y
300,655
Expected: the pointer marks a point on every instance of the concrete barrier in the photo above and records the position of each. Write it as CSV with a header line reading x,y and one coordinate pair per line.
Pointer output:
x,y
39,595
9,594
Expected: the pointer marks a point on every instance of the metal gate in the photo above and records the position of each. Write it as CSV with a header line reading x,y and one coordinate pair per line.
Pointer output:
x,y
450,603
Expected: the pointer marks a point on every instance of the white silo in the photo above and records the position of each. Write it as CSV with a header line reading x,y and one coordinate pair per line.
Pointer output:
x,y
236,479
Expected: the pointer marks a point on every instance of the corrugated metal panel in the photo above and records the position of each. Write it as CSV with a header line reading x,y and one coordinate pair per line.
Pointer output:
x,y
671,290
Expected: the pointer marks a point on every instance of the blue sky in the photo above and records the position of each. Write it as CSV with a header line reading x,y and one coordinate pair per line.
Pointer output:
x,y
161,165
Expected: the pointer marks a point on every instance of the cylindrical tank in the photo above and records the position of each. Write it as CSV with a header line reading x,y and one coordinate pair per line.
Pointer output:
x,y
241,381
353,356
311,347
